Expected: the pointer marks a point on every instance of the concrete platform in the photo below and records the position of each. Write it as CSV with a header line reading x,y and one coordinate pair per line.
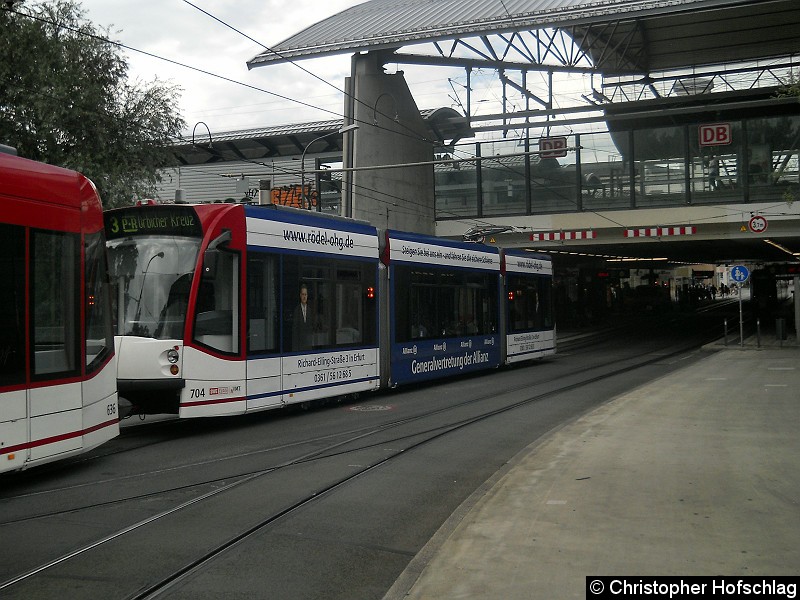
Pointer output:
x,y
697,473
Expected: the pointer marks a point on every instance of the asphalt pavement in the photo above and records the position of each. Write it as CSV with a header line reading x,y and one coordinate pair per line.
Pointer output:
x,y
696,473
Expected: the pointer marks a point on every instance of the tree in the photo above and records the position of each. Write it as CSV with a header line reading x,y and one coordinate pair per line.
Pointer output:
x,y
65,99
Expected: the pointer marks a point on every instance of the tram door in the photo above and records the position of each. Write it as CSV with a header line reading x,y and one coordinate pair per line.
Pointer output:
x,y
42,317
263,331
13,401
215,368
54,314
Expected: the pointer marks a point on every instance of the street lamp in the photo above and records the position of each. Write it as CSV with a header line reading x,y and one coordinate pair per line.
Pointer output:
x,y
375,108
344,129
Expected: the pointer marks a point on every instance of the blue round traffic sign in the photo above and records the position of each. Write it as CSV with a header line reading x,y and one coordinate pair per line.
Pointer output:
x,y
739,273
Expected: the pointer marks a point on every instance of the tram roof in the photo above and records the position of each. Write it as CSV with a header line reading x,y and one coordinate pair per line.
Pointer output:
x,y
444,124
34,180
652,34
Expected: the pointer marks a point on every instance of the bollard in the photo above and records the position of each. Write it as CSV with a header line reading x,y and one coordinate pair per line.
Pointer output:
x,y
758,332
780,330
726,332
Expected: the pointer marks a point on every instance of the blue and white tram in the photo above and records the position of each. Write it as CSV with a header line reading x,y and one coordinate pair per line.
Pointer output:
x,y
224,309
529,328
444,307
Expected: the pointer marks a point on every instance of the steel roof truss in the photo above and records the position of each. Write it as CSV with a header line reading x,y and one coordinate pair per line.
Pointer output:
x,y
510,45
474,63
725,77
483,55
492,52
617,49
522,90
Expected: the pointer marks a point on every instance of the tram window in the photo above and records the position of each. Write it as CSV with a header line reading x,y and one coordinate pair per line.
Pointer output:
x,y
217,309
531,308
349,305
546,303
12,299
323,298
446,304
262,303
98,318
337,311
55,307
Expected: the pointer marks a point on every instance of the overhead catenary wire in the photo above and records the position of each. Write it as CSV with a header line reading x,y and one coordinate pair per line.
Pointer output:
x,y
283,97
250,86
256,88
314,75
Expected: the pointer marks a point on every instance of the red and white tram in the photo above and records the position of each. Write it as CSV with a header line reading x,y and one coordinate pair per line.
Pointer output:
x,y
226,308
57,369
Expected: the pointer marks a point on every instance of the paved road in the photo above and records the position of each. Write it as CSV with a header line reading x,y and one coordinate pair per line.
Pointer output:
x,y
695,473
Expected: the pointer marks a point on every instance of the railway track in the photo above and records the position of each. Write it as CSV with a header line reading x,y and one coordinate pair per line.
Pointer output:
x,y
194,527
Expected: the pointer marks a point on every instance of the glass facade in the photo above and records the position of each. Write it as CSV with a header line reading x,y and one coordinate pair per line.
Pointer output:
x,y
456,186
659,167
716,168
773,154
503,179
720,160
605,184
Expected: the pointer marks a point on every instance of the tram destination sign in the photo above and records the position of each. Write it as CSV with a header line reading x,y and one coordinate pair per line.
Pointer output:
x,y
159,220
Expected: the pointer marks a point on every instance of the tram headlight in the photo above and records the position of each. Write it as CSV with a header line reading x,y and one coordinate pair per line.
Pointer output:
x,y
172,356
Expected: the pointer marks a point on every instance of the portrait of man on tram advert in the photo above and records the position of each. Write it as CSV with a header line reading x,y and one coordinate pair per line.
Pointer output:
x,y
302,322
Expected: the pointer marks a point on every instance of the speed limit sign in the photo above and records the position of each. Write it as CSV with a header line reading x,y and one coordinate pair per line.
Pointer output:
x,y
757,224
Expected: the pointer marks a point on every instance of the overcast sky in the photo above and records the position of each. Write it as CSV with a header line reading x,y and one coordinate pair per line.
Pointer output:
x,y
177,30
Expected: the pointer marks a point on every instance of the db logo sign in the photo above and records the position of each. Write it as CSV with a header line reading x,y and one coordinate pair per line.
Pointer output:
x,y
718,134
758,224
553,147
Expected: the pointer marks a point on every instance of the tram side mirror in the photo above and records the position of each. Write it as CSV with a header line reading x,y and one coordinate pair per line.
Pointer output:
x,y
211,255
210,259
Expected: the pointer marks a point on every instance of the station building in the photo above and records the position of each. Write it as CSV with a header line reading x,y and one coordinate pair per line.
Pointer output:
x,y
682,158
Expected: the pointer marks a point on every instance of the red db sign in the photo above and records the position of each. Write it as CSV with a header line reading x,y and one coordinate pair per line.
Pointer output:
x,y
553,147
718,134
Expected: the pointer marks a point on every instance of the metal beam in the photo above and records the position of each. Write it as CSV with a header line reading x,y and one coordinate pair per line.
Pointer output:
x,y
475,63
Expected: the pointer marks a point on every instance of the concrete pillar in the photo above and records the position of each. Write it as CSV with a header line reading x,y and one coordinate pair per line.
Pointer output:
x,y
391,132
796,294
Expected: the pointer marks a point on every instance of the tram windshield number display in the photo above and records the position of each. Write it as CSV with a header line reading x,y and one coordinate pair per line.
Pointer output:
x,y
163,220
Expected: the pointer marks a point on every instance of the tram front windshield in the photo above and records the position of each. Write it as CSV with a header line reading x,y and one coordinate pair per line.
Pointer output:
x,y
151,277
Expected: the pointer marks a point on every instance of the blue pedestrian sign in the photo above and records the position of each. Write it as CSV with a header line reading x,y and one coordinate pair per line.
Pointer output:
x,y
739,274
